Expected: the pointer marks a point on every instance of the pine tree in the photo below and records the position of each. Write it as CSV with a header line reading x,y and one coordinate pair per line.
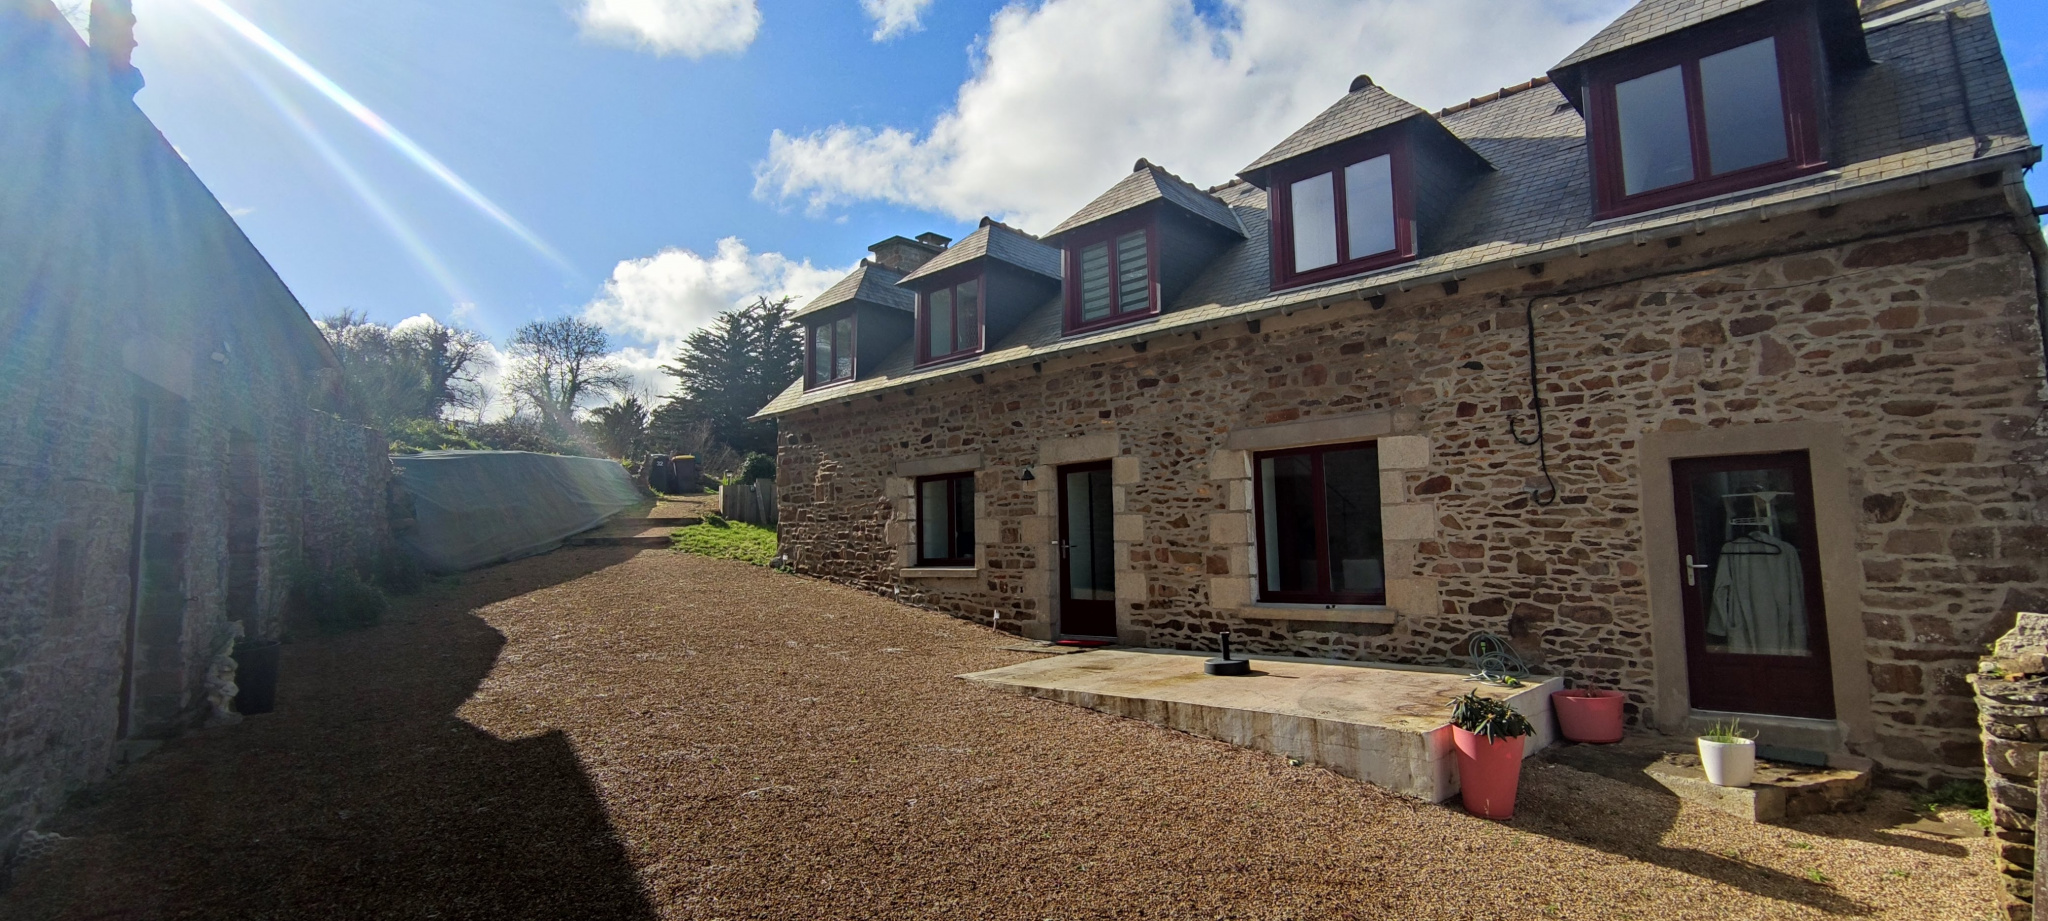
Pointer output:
x,y
733,367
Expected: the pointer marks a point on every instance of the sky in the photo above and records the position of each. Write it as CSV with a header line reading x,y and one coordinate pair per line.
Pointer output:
x,y
649,163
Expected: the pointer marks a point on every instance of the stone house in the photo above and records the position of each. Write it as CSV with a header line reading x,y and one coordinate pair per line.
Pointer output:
x,y
1707,367
171,424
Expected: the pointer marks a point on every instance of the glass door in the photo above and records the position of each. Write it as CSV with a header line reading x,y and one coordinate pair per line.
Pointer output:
x,y
1087,553
1749,557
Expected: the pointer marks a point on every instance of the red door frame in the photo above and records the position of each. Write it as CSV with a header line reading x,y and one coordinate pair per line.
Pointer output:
x,y
1798,686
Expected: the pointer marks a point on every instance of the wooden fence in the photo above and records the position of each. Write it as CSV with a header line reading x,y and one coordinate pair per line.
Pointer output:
x,y
753,503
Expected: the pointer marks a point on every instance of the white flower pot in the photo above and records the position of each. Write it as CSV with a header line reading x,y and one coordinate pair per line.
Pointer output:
x,y
1729,764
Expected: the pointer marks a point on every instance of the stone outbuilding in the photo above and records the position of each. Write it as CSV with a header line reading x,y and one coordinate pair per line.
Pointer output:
x,y
173,432
1707,367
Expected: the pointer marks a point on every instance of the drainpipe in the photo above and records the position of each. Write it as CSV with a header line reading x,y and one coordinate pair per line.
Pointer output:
x,y
2029,219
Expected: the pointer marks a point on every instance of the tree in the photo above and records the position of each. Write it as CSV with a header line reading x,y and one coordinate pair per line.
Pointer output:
x,y
619,428
732,368
415,370
558,365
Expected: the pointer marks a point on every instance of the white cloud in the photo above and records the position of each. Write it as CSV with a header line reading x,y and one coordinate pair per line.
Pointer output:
x,y
659,300
894,17
691,28
1067,94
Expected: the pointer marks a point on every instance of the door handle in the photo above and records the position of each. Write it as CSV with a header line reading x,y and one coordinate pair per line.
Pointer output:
x,y
1064,547
1691,569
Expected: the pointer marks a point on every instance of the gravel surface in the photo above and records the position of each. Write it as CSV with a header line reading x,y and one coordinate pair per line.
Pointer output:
x,y
607,733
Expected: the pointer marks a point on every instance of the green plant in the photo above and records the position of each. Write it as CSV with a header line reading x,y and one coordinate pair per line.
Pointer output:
x,y
1817,876
413,436
1727,732
398,572
1488,717
757,467
714,519
1982,817
1969,794
336,599
730,540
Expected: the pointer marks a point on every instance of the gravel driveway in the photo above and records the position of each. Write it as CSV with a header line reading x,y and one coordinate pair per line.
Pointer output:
x,y
609,733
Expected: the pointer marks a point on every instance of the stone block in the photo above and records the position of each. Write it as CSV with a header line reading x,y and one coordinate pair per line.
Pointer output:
x,y
1226,592
1408,521
1417,597
1123,471
1130,586
1128,528
1228,528
1404,452
1230,465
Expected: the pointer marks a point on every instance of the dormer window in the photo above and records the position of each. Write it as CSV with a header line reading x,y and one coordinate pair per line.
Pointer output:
x,y
1340,213
1725,111
830,346
1110,278
949,322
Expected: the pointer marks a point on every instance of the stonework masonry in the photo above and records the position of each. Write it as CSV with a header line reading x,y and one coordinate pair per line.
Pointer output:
x,y
171,435
1901,330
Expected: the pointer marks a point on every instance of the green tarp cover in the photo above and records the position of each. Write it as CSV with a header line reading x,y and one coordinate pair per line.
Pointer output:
x,y
472,508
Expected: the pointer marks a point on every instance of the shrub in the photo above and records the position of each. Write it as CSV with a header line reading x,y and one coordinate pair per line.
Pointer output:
x,y
336,599
412,436
757,467
399,572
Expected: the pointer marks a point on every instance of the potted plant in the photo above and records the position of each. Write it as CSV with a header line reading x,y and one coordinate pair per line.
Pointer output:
x,y
1728,756
1588,715
1489,736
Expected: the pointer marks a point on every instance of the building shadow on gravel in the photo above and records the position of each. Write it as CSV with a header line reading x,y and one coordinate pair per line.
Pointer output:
x,y
1630,821
362,796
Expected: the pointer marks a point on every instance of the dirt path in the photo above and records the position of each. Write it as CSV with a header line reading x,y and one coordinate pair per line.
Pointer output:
x,y
604,733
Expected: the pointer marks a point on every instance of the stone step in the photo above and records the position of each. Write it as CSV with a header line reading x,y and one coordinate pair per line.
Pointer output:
x,y
618,540
652,522
1778,793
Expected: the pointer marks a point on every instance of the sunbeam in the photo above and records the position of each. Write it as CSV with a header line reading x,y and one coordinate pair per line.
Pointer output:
x,y
396,138
407,237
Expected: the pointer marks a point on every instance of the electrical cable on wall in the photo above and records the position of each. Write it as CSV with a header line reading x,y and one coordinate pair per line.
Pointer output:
x,y
1535,403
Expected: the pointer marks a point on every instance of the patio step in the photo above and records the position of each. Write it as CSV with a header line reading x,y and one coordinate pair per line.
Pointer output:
x,y
1779,792
624,534
1383,724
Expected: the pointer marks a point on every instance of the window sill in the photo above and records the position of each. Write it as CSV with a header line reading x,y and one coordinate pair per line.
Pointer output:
x,y
1812,174
1326,613
939,572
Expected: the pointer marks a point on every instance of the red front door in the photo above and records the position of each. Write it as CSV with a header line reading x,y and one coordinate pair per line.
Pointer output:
x,y
1756,636
1087,553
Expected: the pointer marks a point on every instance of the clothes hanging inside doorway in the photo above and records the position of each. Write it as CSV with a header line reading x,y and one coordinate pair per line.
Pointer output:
x,y
1759,601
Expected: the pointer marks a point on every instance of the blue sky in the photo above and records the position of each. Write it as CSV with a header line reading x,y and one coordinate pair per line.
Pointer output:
x,y
681,155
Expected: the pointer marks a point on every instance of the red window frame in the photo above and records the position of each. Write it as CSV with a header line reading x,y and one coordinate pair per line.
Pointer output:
x,y
1320,510
961,536
1280,209
811,380
1108,232
1798,84
924,320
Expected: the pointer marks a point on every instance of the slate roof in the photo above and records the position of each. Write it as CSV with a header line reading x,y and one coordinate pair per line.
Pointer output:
x,y
1366,109
869,282
997,241
1894,124
1147,184
1648,20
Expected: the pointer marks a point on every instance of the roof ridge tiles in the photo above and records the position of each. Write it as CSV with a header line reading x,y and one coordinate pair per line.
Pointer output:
x,y
1499,94
987,221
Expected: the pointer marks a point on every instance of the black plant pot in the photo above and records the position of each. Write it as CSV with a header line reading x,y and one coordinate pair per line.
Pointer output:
x,y
256,676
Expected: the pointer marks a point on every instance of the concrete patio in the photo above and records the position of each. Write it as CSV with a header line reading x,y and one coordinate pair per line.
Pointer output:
x,y
1384,724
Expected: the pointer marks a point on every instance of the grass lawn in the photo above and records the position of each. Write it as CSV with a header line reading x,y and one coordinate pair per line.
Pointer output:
x,y
727,540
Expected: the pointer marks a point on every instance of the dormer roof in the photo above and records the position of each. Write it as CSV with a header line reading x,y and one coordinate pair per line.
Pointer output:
x,y
869,283
1649,20
1367,108
999,242
1147,184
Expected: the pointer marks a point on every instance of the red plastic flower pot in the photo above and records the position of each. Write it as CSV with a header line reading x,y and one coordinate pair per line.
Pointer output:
x,y
1586,715
1489,770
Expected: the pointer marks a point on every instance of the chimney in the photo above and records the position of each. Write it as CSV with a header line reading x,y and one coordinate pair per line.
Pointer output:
x,y
905,255
111,32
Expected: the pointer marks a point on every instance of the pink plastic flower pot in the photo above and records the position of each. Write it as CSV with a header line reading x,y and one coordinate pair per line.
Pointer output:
x,y
1586,715
1489,770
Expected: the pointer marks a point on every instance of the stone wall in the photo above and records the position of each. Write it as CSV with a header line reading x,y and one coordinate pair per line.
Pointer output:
x,y
1901,329
167,412
2012,700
